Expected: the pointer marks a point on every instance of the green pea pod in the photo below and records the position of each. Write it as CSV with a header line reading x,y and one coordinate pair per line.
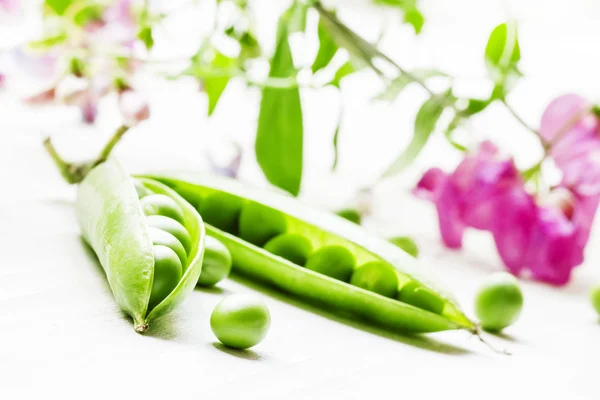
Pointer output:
x,y
113,223
323,230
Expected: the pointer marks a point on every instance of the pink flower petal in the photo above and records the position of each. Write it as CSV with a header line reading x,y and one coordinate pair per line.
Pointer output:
x,y
429,183
559,112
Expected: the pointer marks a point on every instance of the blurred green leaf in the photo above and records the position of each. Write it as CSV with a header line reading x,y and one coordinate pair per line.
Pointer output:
x,y
327,49
401,82
145,35
48,42
414,18
88,13
215,85
406,244
279,138
425,122
297,17
475,106
250,48
343,71
502,52
412,15
58,6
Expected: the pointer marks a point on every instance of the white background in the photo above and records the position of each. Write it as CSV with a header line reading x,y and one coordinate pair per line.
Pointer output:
x,y
61,333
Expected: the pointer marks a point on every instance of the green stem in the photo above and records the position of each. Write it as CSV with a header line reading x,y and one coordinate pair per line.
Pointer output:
x,y
75,172
66,169
521,120
112,142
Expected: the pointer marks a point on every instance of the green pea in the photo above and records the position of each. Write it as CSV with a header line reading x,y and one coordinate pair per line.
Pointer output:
x,y
164,238
334,261
221,210
240,321
406,244
377,277
595,298
167,273
417,295
350,214
141,190
291,246
259,223
159,204
498,302
216,264
173,227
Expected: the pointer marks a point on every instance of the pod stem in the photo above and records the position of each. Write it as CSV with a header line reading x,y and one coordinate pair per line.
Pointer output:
x,y
479,333
141,328
75,172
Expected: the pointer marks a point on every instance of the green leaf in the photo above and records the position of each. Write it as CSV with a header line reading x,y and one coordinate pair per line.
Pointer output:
x,y
327,49
415,18
87,13
215,85
297,17
145,35
279,138
502,52
48,42
58,6
475,106
401,82
250,48
345,70
412,15
406,244
425,122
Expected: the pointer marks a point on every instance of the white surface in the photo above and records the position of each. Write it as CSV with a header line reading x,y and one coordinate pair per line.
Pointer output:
x,y
61,334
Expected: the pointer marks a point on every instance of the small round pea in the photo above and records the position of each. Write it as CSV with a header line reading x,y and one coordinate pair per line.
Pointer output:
x,y
334,261
167,274
216,264
595,297
240,321
160,204
498,302
173,227
221,210
406,244
415,294
164,238
377,277
291,246
259,223
141,190
350,214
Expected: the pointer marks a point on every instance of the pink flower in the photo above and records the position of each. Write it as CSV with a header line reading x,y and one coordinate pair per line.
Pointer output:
x,y
486,192
9,5
572,134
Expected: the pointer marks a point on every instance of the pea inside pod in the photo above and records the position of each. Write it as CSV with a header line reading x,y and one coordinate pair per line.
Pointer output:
x,y
291,246
148,280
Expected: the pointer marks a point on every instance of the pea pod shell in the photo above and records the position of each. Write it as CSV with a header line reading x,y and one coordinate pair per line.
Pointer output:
x,y
112,222
261,265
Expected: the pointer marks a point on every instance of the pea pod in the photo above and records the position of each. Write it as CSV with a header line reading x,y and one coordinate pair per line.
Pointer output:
x,y
324,230
132,254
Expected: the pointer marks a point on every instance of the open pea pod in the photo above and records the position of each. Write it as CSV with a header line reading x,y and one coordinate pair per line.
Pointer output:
x,y
152,261
337,265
